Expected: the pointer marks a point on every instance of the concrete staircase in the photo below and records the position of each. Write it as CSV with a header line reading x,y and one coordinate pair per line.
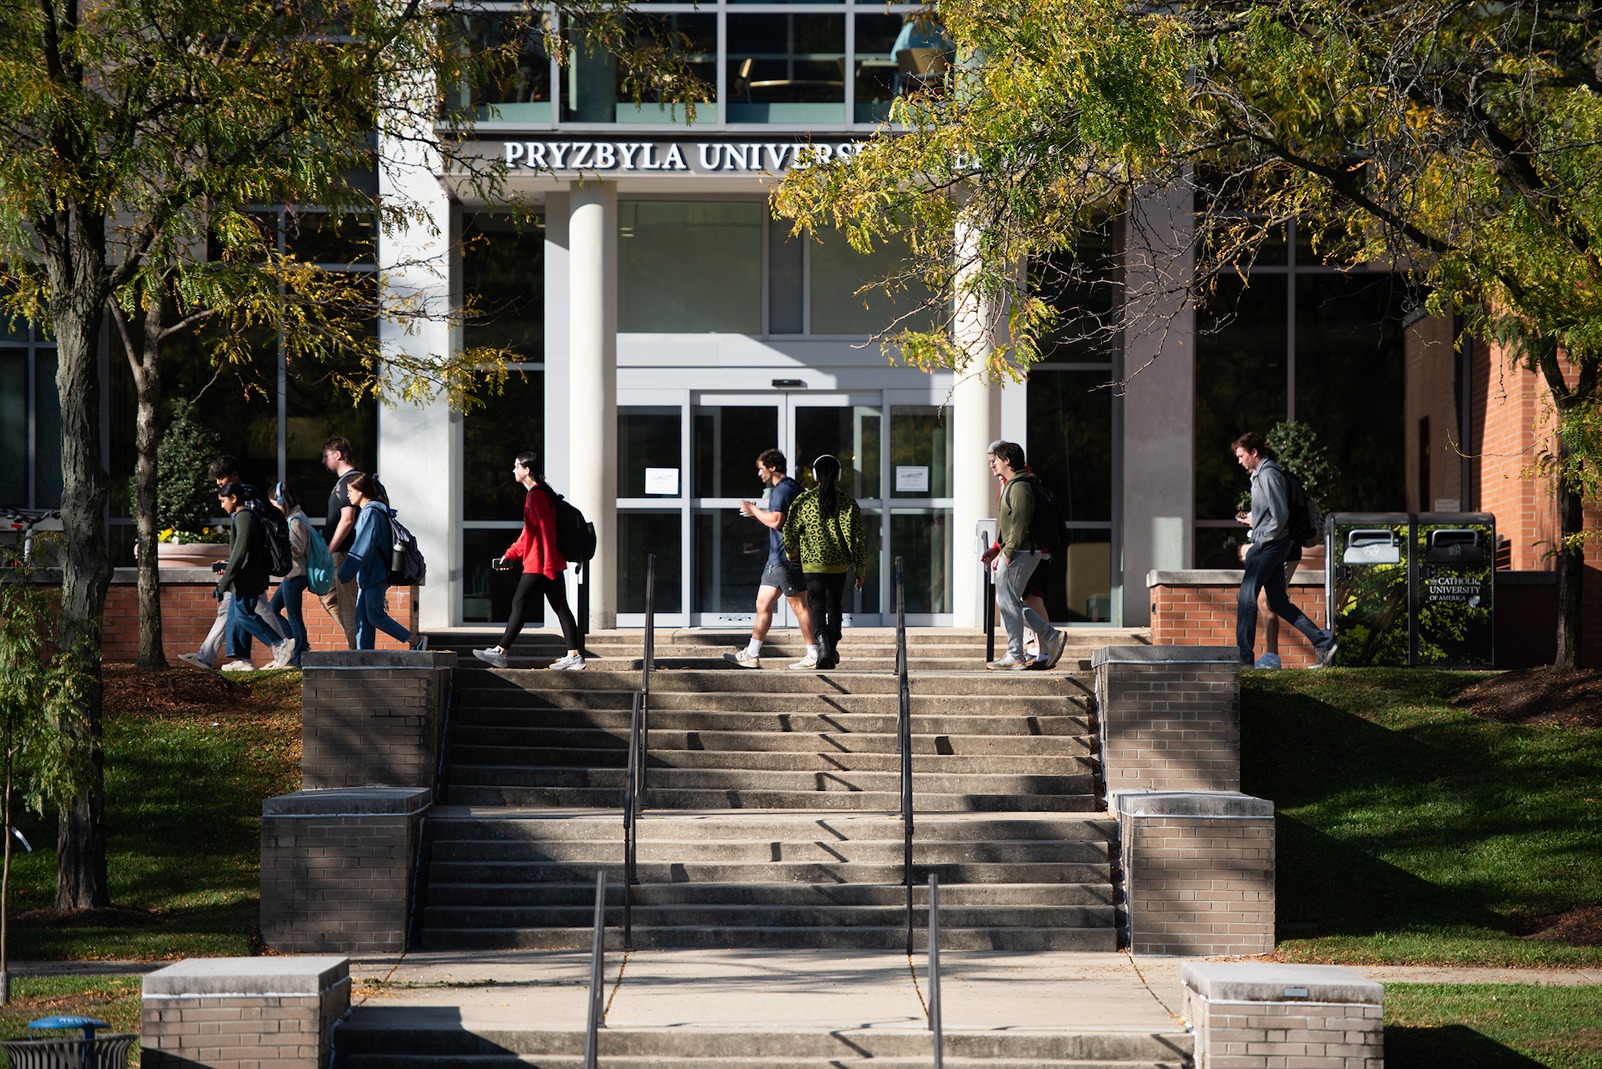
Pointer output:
x,y
403,1040
771,798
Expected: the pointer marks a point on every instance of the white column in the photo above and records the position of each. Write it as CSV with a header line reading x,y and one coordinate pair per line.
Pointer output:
x,y
419,446
592,380
1159,435
976,408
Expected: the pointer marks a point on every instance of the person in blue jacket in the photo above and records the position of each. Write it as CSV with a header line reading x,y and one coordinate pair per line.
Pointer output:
x,y
367,562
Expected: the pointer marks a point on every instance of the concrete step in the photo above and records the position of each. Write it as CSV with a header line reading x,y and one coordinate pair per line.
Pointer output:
x,y
753,697
887,873
751,798
804,937
545,743
670,779
987,684
818,759
454,822
846,854
810,718
538,895
376,1034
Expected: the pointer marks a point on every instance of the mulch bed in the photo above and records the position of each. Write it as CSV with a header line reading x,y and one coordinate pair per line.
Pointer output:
x,y
1571,698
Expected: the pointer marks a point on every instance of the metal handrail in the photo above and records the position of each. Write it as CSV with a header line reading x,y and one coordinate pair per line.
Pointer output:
x,y
596,1019
934,971
649,662
904,736
990,614
631,795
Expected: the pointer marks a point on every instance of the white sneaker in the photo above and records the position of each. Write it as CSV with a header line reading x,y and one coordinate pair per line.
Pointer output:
x,y
809,661
744,659
1326,655
194,660
573,662
282,653
492,657
1008,664
239,665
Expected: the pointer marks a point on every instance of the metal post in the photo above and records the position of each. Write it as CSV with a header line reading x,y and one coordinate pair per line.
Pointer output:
x,y
934,971
597,970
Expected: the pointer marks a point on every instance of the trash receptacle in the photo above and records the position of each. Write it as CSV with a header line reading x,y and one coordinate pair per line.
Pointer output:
x,y
1412,588
87,1050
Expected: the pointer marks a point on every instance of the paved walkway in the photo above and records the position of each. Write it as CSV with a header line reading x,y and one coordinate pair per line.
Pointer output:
x,y
1053,991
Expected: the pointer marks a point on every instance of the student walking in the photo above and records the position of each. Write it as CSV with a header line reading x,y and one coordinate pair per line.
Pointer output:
x,y
367,565
780,574
292,587
245,573
543,565
1271,546
824,532
1015,558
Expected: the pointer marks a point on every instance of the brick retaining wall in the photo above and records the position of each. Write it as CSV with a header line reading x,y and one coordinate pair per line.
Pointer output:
x,y
243,1013
1251,1015
1169,717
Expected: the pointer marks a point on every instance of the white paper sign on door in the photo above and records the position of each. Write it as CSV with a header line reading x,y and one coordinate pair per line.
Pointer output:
x,y
662,482
911,479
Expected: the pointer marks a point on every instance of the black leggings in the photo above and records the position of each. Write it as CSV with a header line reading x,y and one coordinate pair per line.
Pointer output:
x,y
531,587
826,597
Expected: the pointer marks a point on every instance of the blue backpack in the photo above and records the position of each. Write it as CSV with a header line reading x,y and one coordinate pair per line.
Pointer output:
x,y
319,562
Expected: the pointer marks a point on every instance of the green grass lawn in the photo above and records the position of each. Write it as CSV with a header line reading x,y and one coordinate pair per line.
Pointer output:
x,y
1492,1026
113,999
1410,831
189,759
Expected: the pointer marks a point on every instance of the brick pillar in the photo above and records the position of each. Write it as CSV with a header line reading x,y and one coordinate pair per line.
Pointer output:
x,y
337,868
1198,872
243,1013
1248,1013
372,717
1169,718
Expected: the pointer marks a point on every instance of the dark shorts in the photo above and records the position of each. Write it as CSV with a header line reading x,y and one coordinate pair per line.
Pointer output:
x,y
786,576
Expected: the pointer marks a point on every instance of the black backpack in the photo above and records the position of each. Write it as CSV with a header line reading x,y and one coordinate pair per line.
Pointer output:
x,y
1306,518
406,564
575,536
1046,527
275,536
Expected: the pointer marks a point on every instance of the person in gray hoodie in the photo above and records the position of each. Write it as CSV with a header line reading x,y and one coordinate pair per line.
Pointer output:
x,y
1271,547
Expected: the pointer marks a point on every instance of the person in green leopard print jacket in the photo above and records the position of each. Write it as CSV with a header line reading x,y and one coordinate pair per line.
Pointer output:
x,y
823,530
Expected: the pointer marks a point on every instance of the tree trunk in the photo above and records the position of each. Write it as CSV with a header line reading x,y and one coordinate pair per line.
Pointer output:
x,y
79,288
1570,568
147,436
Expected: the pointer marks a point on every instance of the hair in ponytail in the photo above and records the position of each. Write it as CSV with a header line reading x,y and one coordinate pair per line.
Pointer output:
x,y
826,469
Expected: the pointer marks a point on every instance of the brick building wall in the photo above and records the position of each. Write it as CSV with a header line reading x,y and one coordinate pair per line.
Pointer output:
x,y
188,609
1197,608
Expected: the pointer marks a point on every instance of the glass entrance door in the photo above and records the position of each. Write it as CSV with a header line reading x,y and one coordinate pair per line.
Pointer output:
x,y
729,432
685,468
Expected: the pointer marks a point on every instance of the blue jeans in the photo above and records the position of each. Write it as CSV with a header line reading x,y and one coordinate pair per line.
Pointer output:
x,y
371,615
247,622
1265,571
286,599
1012,579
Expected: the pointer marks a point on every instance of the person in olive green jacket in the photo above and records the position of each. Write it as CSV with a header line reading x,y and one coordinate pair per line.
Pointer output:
x,y
1016,556
823,530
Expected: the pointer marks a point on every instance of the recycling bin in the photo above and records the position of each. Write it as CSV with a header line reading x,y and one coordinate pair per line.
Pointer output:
x,y
1410,589
49,1047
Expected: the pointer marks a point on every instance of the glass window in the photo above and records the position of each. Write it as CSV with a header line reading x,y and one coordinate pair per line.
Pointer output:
x,y
730,552
47,431
787,68
598,88
333,238
1240,384
503,274
1077,580
1349,382
726,443
511,75
875,77
690,266
639,534
1070,440
839,271
920,452
922,538
487,593
492,436
786,270
852,434
648,438
14,427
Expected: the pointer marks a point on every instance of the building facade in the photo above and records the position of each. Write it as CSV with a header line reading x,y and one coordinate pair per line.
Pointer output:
x,y
669,329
